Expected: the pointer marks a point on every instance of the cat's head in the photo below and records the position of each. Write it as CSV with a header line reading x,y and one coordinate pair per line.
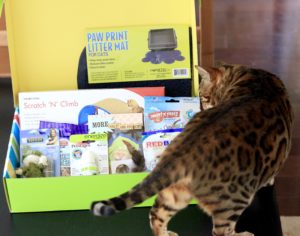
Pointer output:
x,y
215,82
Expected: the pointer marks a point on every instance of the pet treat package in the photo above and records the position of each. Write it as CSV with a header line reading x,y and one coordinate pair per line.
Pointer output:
x,y
89,154
154,143
124,133
138,53
169,112
39,151
65,131
74,106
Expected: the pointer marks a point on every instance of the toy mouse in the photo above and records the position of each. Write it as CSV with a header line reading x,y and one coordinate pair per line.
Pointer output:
x,y
33,166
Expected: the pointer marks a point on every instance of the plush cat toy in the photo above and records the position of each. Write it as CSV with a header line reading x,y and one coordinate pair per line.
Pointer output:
x,y
33,166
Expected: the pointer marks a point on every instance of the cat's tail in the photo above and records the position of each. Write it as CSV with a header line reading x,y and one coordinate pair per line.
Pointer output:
x,y
161,177
137,157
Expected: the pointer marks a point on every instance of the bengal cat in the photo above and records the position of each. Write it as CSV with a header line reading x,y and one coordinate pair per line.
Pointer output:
x,y
224,155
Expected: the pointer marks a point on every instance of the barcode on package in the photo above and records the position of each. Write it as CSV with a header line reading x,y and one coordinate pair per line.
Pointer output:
x,y
180,72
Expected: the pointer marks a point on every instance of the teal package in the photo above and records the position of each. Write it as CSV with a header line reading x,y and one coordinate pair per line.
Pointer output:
x,y
163,113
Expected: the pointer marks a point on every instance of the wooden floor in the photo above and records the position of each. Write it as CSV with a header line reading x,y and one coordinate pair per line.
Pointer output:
x,y
266,34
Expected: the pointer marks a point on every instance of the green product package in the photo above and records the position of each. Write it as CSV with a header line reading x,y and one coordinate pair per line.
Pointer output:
x,y
138,53
89,154
124,132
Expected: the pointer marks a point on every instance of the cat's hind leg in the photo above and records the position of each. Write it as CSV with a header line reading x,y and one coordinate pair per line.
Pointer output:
x,y
224,226
167,204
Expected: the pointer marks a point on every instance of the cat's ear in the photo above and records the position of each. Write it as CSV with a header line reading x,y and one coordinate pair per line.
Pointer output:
x,y
221,63
204,74
209,75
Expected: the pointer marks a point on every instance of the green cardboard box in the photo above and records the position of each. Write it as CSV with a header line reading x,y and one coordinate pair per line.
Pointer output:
x,y
45,40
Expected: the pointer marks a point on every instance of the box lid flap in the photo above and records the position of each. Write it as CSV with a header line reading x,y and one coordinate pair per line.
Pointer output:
x,y
46,38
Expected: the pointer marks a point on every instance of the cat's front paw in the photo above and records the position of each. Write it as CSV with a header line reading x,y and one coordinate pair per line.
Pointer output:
x,y
243,234
170,233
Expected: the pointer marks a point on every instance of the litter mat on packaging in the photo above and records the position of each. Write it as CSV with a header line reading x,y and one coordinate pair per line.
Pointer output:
x,y
161,39
162,44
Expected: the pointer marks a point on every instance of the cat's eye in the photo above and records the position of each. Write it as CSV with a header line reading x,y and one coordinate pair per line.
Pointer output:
x,y
206,98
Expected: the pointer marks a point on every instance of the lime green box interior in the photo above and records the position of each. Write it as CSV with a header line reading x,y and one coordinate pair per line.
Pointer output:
x,y
45,40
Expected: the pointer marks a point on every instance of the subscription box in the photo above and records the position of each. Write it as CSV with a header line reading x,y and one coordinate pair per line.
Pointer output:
x,y
45,41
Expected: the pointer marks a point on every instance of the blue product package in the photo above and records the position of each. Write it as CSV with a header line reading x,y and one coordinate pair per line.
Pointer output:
x,y
65,131
163,113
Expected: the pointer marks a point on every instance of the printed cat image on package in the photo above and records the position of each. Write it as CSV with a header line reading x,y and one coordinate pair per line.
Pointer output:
x,y
41,143
89,154
154,143
120,128
169,112
119,156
